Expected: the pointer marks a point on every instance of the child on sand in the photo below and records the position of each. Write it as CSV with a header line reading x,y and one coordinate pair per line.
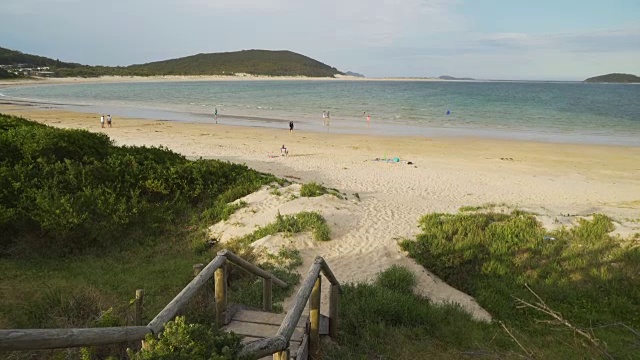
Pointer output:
x,y
284,151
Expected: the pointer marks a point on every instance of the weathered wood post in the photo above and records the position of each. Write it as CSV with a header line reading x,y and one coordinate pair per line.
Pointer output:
x,y
334,297
221,294
267,286
197,268
314,319
282,355
139,307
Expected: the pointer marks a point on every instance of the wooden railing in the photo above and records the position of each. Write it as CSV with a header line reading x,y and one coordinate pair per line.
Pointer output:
x,y
309,291
35,339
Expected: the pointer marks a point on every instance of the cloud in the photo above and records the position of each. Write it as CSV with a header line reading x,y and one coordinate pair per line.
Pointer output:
x,y
360,23
618,40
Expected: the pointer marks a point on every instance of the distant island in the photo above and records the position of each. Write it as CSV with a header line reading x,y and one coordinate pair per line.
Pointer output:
x,y
355,74
614,78
447,77
253,62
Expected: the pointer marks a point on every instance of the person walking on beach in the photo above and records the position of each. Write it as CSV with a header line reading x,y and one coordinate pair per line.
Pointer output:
x,y
291,126
327,121
102,121
109,120
215,114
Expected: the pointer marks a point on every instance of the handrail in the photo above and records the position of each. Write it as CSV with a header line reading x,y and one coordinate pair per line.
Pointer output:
x,y
310,285
36,339
31,339
293,316
242,263
185,295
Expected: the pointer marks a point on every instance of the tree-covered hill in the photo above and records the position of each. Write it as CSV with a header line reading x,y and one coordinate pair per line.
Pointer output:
x,y
614,78
13,57
254,62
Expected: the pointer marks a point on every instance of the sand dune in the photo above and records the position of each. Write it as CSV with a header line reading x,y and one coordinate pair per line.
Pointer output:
x,y
561,182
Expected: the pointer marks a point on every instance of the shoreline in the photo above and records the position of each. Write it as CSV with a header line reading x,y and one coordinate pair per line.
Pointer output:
x,y
343,127
561,183
179,78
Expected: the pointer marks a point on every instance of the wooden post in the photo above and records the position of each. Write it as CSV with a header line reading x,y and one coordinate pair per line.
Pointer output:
x,y
221,295
197,268
282,355
139,307
266,294
314,319
334,298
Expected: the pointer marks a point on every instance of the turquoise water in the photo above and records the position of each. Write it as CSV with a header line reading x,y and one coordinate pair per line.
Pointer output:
x,y
555,112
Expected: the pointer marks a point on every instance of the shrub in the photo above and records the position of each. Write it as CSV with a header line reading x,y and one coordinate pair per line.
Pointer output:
x,y
70,191
182,341
312,189
397,278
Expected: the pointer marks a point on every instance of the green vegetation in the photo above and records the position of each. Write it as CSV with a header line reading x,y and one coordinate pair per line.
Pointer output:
x,y
182,341
85,223
247,289
254,62
4,74
291,224
12,57
482,207
614,78
313,189
71,191
547,286
386,320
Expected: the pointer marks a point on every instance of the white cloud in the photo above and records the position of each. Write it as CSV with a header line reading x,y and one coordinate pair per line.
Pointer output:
x,y
587,41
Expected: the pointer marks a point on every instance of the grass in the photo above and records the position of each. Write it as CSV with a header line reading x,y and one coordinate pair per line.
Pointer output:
x,y
291,224
247,290
313,189
386,320
583,274
487,206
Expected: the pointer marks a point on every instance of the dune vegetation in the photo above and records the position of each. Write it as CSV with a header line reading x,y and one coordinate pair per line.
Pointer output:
x,y
85,223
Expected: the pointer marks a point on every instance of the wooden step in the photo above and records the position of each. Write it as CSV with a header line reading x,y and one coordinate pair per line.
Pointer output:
x,y
254,325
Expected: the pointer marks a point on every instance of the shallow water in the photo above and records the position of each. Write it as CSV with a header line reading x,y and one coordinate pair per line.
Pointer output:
x,y
555,112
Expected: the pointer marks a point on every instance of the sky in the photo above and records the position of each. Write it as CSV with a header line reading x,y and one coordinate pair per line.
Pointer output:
x,y
484,39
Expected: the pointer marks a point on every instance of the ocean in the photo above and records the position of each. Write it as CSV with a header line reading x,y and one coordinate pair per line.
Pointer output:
x,y
540,111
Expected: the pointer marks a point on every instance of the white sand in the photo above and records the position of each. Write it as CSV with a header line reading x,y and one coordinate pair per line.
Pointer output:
x,y
558,181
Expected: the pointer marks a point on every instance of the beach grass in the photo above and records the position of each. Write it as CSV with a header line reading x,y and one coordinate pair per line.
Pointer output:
x,y
313,189
553,285
386,319
290,224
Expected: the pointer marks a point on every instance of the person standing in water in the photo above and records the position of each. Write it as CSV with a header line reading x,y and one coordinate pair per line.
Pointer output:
x,y
215,114
291,126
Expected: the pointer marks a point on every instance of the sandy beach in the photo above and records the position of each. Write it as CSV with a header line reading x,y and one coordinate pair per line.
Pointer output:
x,y
560,182
169,78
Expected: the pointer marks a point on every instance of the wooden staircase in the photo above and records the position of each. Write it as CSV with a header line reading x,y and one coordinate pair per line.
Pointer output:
x,y
266,335
254,325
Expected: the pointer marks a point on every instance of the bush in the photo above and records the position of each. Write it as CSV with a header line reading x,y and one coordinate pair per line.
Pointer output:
x,y
312,190
70,191
182,341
